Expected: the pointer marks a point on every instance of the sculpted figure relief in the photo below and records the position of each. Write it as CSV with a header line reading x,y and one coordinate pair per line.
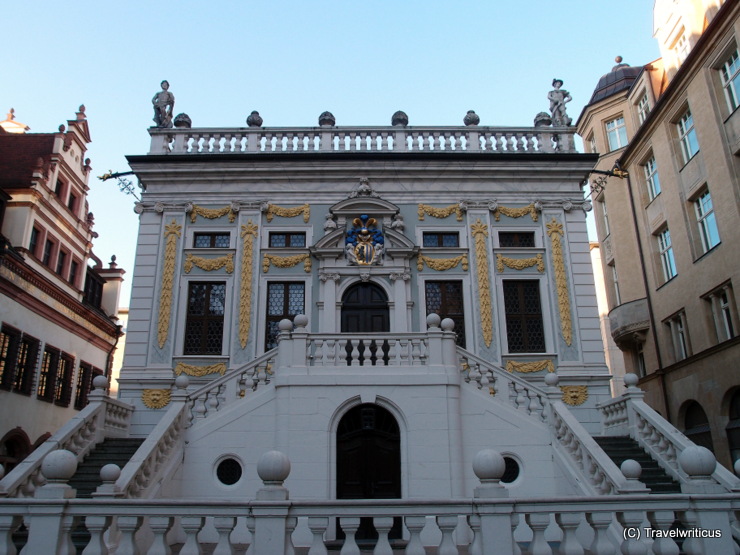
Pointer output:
x,y
558,98
164,104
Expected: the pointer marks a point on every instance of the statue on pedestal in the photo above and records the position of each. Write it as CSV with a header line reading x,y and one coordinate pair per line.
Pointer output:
x,y
558,97
164,104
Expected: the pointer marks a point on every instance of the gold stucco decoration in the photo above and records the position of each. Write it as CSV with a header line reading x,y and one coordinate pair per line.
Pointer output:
x,y
480,232
155,398
209,264
516,212
519,263
531,366
574,395
249,234
212,213
555,230
442,264
286,261
199,371
440,212
274,210
171,233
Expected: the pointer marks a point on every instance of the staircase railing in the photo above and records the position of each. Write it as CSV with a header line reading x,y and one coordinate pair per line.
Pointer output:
x,y
102,417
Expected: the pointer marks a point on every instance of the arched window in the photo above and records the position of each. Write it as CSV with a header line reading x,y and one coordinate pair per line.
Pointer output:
x,y
696,425
14,447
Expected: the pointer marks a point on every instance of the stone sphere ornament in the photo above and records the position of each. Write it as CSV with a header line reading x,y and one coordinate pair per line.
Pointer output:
x,y
433,320
697,462
489,465
254,119
552,379
471,118
448,324
285,325
300,321
273,467
543,119
110,472
327,119
631,469
59,465
630,380
399,119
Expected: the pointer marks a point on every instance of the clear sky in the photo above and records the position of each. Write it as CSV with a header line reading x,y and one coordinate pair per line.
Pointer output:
x,y
293,59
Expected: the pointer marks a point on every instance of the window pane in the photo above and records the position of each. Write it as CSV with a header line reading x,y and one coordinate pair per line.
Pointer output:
x,y
524,328
205,318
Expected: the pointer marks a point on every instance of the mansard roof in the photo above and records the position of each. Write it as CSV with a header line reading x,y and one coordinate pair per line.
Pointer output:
x,y
619,79
20,155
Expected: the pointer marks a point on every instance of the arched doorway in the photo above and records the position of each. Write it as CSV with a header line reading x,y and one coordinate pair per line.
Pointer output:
x,y
365,310
369,461
696,425
14,447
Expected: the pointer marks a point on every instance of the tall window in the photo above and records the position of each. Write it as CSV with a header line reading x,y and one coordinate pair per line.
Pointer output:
x,y
84,383
681,47
63,387
74,269
204,324
48,250
10,340
33,246
524,329
722,309
616,132
25,368
666,255
606,219
730,73
679,336
706,221
48,374
93,292
592,144
615,281
651,177
284,300
445,298
687,136
61,259
643,108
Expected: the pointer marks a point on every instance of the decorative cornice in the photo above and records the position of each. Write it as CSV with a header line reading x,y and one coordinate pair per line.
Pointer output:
x,y
249,233
519,263
171,234
286,261
441,212
442,264
555,230
530,366
480,232
272,210
209,264
199,371
188,207
155,398
574,395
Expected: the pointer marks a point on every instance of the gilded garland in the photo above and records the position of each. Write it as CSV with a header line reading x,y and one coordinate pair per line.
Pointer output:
x,y
555,230
532,366
171,233
274,210
516,212
442,264
520,263
286,261
480,232
249,234
209,264
574,395
155,398
199,371
212,213
440,212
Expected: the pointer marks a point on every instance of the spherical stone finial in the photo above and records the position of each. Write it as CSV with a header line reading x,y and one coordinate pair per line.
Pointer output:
x,y
59,465
399,119
183,121
300,321
471,118
433,320
273,467
254,119
697,462
110,473
448,324
631,469
552,379
618,59
182,381
735,467
285,325
100,382
327,118
630,380
489,465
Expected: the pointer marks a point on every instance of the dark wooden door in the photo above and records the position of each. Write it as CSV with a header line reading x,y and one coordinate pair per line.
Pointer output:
x,y
365,309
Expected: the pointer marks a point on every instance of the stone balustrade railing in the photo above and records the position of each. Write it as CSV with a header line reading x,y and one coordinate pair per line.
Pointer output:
x,y
368,349
102,417
509,140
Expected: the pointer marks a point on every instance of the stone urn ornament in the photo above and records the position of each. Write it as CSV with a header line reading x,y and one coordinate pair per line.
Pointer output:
x,y
327,119
254,119
399,119
471,118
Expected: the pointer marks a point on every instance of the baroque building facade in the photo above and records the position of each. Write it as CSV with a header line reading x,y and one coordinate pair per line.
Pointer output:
x,y
57,314
668,229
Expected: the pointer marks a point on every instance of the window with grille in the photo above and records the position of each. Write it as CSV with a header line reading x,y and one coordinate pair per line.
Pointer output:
x,y
616,133
93,293
204,325
730,73
706,221
211,240
10,342
520,239
61,259
48,374
441,239
665,249
85,377
33,246
25,369
48,251
63,387
284,300
651,178
687,136
445,298
74,269
524,329
285,240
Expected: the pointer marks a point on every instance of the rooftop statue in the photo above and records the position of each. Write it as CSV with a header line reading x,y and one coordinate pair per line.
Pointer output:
x,y
164,104
558,98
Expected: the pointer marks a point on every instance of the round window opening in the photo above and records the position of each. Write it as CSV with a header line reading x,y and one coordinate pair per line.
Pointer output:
x,y
511,471
229,471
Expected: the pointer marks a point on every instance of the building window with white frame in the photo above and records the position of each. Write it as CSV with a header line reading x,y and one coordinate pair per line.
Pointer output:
x,y
640,359
605,219
681,47
651,178
616,133
615,281
687,136
643,108
722,307
665,248
592,144
730,73
706,221
679,336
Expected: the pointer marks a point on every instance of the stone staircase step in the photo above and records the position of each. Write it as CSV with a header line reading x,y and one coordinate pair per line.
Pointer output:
x,y
110,451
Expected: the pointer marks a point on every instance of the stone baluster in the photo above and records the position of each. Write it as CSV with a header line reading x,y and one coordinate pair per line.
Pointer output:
x,y
224,526
343,353
290,526
317,525
568,523
331,346
663,520
383,525
538,522
128,525
476,546
354,355
97,525
251,526
159,526
415,351
317,352
191,525
69,523
415,524
516,550
404,352
633,543
349,525
8,525
447,525
600,523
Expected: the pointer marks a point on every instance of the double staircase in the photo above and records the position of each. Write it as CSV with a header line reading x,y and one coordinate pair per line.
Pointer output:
x,y
619,449
111,451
